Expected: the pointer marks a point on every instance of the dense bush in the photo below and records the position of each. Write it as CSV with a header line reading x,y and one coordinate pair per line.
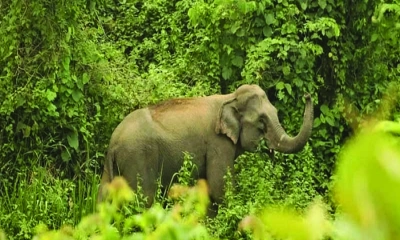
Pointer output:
x,y
372,213
70,71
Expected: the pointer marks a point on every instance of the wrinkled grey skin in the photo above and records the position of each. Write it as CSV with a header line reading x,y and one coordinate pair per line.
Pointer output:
x,y
215,130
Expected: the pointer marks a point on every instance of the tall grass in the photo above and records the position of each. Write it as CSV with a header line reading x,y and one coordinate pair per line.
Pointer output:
x,y
40,196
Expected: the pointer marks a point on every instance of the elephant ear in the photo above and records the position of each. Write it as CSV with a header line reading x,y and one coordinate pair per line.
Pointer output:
x,y
228,121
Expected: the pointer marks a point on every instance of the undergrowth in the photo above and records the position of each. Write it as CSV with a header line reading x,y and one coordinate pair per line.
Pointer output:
x,y
369,162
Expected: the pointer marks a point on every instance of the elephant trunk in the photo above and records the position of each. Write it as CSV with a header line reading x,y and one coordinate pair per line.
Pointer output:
x,y
282,142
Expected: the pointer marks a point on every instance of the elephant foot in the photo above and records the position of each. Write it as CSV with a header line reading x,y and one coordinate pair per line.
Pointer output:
x,y
212,210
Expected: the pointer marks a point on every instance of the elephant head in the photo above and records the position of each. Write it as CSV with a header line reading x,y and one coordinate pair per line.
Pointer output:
x,y
249,116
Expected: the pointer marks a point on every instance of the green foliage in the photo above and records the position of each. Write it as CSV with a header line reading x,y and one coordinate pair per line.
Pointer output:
x,y
366,188
284,223
188,168
70,71
155,35
73,89
182,222
262,181
367,182
47,106
38,197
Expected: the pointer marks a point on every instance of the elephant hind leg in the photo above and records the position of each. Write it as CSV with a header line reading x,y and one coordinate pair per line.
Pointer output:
x,y
108,175
141,169
148,185
101,194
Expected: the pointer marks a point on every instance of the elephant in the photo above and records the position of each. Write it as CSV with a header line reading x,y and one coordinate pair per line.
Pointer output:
x,y
215,130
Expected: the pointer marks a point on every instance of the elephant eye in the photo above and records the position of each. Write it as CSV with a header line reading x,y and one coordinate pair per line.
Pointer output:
x,y
261,124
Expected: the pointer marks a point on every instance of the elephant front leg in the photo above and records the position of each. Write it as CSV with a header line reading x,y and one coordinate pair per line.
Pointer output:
x,y
218,164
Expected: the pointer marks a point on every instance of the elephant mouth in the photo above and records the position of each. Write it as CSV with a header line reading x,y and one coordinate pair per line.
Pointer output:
x,y
271,153
266,148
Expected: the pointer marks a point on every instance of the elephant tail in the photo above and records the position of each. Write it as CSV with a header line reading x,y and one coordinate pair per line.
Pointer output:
x,y
107,177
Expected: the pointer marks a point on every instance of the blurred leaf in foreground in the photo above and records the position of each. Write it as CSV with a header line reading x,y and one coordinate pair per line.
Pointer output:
x,y
368,181
286,223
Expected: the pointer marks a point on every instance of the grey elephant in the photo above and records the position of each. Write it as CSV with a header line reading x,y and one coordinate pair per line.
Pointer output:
x,y
215,130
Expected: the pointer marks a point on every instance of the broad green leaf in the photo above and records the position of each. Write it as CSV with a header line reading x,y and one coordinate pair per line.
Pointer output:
x,y
298,82
374,37
280,85
267,31
85,78
328,8
76,95
322,118
72,138
79,84
286,70
330,121
237,61
317,122
303,5
226,72
325,110
269,18
322,3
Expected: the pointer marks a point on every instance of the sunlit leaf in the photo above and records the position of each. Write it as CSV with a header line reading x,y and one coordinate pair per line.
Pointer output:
x,y
288,88
280,85
330,121
269,18
286,70
368,182
50,95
